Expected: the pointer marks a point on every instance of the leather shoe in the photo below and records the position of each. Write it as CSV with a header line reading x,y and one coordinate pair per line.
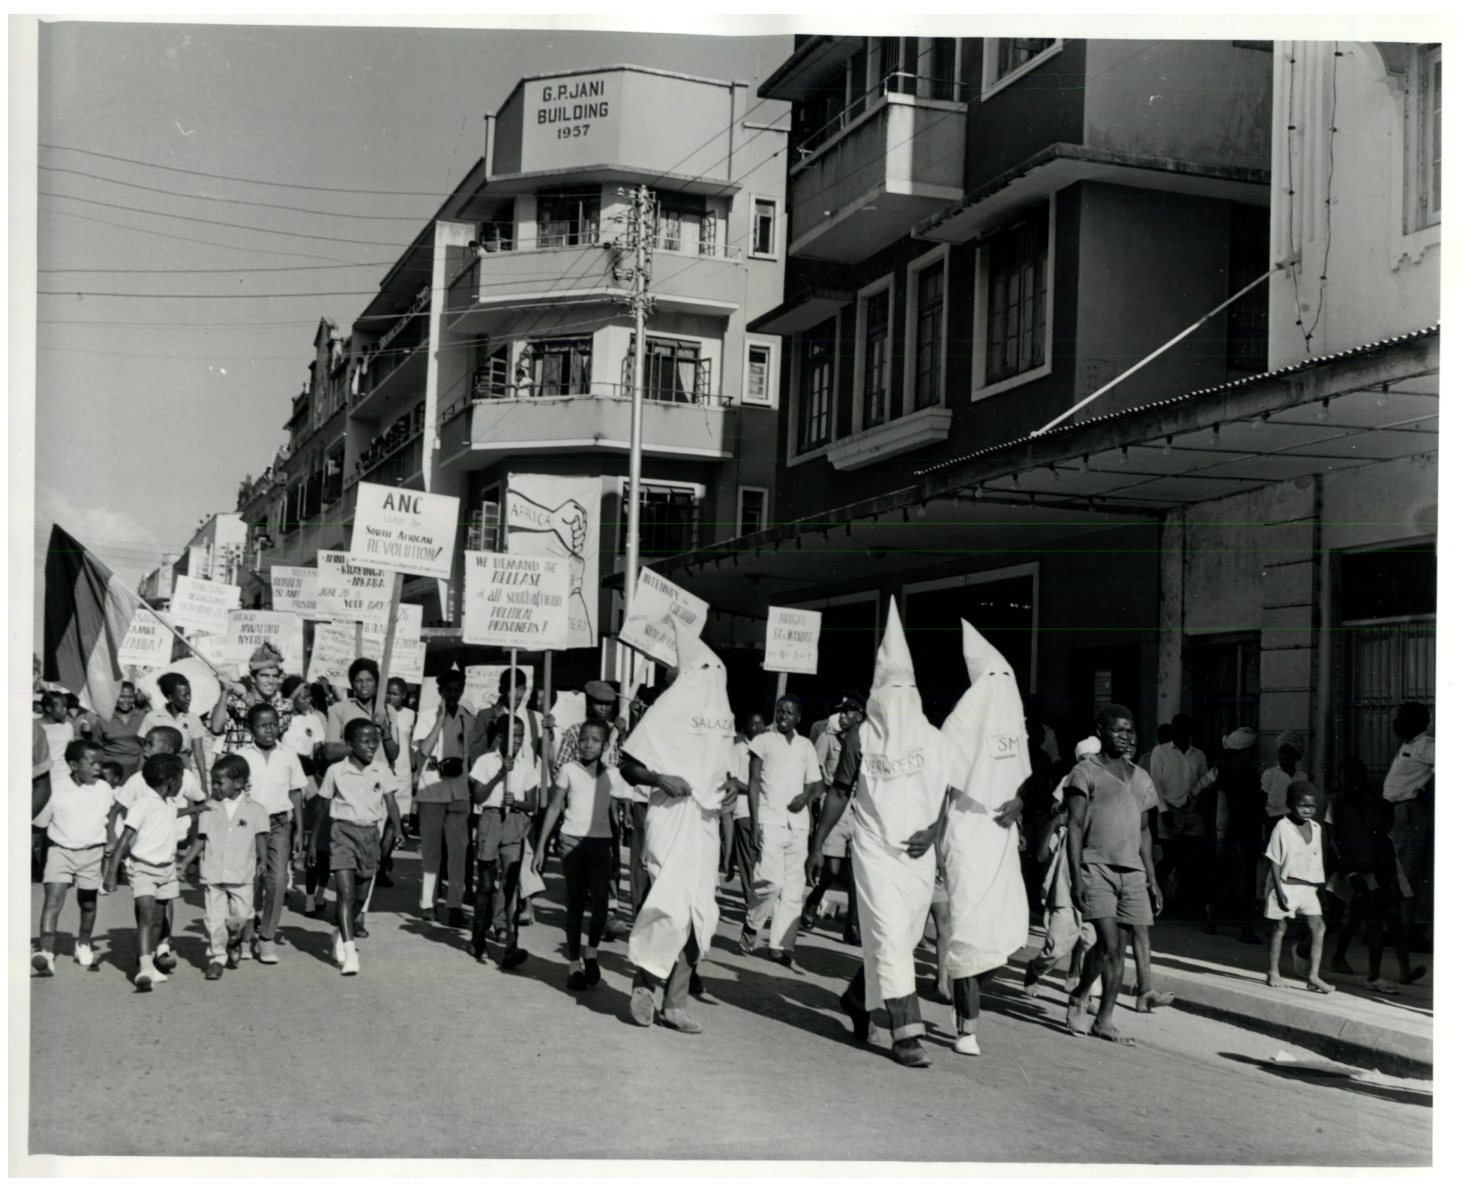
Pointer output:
x,y
909,1053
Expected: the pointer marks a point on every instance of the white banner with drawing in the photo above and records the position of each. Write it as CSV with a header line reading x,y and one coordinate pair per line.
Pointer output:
x,y
558,516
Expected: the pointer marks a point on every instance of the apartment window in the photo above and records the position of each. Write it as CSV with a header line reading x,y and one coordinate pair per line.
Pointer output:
x,y
1425,167
764,239
489,377
499,233
483,531
758,383
941,68
668,518
1017,261
752,510
816,385
568,218
679,221
1011,53
821,112
930,338
875,357
555,367
333,476
1248,320
675,370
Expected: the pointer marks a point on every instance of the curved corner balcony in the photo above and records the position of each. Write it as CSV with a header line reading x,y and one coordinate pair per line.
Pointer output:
x,y
594,417
491,294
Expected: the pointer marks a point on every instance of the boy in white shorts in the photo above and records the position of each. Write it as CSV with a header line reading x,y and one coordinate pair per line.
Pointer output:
x,y
149,843
1297,872
76,819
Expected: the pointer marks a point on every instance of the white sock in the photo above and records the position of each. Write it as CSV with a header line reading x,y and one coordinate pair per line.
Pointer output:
x,y
427,890
590,952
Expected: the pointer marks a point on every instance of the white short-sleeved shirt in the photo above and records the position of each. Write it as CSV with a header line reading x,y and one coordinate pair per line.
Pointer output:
x,y
586,804
738,767
358,795
273,776
1176,773
190,791
306,732
76,816
1300,860
524,777
155,823
58,737
1275,782
1411,769
788,767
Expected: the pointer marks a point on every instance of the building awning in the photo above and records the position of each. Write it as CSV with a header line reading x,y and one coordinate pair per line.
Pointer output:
x,y
1061,165
1003,504
802,311
814,60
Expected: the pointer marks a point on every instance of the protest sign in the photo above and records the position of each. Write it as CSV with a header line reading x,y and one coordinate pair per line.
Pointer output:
x,y
482,683
202,606
295,590
408,659
251,628
148,641
398,529
657,598
515,601
333,651
347,592
791,644
558,516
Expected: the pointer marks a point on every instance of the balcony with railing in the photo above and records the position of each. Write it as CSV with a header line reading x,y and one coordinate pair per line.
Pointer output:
x,y
393,457
891,157
681,419
396,368
692,272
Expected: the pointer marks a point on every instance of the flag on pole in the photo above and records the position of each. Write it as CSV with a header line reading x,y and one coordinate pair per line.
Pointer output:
x,y
88,612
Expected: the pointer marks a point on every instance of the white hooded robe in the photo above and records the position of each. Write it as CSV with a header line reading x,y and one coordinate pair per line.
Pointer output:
x,y
905,767
687,732
986,895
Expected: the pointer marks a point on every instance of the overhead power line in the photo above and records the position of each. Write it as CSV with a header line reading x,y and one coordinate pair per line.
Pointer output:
x,y
255,252
255,269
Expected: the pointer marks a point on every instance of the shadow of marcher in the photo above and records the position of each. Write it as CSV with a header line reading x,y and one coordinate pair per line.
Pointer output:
x,y
1366,1088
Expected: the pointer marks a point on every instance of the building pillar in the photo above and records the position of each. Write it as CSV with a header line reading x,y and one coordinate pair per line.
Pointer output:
x,y
1290,551
1171,584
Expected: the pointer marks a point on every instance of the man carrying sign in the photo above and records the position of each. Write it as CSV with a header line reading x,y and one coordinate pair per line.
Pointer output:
x,y
680,750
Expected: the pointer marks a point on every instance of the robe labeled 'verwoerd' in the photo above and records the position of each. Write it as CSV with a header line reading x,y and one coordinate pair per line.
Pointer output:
x,y
687,732
987,902
905,766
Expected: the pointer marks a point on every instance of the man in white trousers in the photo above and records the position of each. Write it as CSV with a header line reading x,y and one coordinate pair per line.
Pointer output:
x,y
896,768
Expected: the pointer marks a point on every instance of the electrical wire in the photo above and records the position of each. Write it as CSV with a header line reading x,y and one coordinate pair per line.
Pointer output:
x,y
257,252
251,269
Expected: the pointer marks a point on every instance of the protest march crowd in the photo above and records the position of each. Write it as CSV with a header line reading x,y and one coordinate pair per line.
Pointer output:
x,y
978,825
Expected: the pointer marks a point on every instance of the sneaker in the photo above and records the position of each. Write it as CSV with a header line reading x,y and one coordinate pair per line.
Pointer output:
x,y
165,961
350,960
909,1053
642,1006
83,955
591,971
143,980
966,1045
747,942
44,963
678,1020
214,970
513,958
267,953
338,949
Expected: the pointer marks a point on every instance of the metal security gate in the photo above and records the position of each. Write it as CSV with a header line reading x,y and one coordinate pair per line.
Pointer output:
x,y
1384,663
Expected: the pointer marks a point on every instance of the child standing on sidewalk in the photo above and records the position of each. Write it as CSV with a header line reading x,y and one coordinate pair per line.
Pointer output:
x,y
232,833
1297,872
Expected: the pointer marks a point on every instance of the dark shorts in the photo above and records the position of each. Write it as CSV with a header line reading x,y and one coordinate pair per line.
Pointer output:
x,y
354,846
1111,893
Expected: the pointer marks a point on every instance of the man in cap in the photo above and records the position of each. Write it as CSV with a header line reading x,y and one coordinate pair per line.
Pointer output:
x,y
230,716
681,751
988,907
896,769
1275,781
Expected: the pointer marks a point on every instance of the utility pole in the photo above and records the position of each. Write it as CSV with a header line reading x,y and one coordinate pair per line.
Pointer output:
x,y
642,242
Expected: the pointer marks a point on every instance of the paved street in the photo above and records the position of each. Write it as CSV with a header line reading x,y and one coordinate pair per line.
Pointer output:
x,y
427,1054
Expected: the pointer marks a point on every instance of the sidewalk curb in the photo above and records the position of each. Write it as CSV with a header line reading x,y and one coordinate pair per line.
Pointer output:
x,y
1349,1041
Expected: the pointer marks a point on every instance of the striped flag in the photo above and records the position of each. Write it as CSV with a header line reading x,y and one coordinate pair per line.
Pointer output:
x,y
87,616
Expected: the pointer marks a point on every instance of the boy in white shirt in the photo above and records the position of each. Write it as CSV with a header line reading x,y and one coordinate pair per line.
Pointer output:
x,y
76,819
360,789
1297,871
507,797
148,846
277,782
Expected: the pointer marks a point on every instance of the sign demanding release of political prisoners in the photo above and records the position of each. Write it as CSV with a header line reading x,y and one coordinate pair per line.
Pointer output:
x,y
515,601
295,590
347,592
791,644
202,606
401,530
657,598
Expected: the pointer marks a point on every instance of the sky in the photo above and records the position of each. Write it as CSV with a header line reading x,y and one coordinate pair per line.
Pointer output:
x,y
152,406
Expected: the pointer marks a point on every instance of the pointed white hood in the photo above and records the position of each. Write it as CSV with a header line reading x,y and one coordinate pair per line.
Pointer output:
x,y
895,723
688,730
986,728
